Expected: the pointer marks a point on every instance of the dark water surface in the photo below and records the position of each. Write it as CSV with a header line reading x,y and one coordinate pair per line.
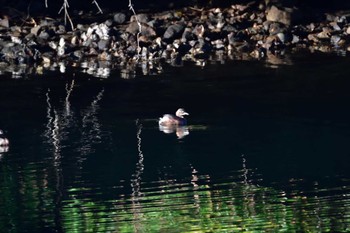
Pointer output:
x,y
268,150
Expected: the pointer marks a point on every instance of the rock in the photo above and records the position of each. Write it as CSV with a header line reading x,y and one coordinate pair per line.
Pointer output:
x,y
283,15
119,18
282,37
173,31
142,18
61,29
348,30
78,54
295,39
4,22
275,28
102,31
103,44
44,35
108,22
133,28
35,30
187,35
199,31
325,34
335,26
146,30
313,38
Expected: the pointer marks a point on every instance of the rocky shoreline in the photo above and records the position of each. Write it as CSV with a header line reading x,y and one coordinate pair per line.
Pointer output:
x,y
122,40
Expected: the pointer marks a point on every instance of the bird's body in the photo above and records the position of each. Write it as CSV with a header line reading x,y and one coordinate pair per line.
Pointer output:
x,y
177,119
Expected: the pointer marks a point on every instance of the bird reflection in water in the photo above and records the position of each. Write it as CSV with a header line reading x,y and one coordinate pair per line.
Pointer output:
x,y
181,131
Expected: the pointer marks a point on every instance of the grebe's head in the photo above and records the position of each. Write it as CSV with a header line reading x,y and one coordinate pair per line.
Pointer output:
x,y
181,112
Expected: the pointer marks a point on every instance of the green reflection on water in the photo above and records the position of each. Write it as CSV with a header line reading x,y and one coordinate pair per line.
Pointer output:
x,y
229,207
199,204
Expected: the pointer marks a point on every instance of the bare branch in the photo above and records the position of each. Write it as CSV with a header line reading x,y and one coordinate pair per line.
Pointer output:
x,y
98,7
140,28
65,7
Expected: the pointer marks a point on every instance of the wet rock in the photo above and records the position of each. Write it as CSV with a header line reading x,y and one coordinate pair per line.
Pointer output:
x,y
4,22
337,40
119,18
103,44
199,31
282,15
335,26
146,30
275,28
61,47
295,39
102,31
142,18
325,34
35,30
173,31
281,37
187,35
61,29
44,35
78,54
313,38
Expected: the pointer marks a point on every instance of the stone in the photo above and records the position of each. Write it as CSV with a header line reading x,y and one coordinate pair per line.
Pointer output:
x,y
108,22
173,31
103,44
275,28
4,22
35,30
146,30
283,15
199,31
295,39
44,35
133,28
119,18
142,18
78,54
325,34
335,26
61,29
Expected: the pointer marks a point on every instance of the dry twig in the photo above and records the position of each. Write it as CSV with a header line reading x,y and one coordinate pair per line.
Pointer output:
x,y
140,28
65,7
98,7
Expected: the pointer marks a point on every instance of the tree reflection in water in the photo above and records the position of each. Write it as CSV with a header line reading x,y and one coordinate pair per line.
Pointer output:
x,y
135,182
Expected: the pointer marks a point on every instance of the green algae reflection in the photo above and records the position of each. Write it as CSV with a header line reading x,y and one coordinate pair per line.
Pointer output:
x,y
173,206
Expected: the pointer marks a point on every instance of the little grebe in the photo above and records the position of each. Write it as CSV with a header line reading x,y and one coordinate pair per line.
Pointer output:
x,y
178,119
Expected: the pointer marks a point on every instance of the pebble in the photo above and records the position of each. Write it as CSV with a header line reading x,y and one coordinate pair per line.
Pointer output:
x,y
119,18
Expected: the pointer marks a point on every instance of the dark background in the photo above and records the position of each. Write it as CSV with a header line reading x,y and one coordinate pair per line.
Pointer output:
x,y
37,7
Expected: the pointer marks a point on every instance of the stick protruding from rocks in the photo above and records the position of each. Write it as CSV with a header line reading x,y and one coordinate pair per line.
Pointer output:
x,y
131,7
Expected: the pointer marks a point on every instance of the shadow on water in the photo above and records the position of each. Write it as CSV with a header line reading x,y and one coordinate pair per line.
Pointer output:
x,y
265,150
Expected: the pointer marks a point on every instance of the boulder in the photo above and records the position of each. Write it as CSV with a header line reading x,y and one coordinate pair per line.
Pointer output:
x,y
282,15
173,31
